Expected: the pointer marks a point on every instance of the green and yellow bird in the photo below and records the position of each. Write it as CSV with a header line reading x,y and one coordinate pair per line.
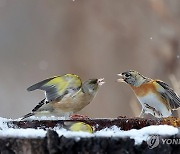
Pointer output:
x,y
64,95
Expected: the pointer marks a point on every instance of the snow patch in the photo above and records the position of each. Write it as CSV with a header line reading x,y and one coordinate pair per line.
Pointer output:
x,y
138,135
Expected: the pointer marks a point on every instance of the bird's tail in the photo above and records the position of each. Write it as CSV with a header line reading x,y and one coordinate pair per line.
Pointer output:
x,y
35,109
27,115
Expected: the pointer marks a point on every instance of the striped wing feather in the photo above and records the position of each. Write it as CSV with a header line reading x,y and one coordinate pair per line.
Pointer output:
x,y
57,87
169,94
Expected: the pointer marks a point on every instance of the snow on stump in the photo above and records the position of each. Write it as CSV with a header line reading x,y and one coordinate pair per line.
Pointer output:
x,y
121,135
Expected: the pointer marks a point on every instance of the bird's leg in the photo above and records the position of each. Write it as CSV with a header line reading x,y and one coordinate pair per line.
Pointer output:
x,y
155,112
78,117
159,113
151,108
142,112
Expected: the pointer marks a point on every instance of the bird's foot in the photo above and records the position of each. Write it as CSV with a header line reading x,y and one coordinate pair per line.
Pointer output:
x,y
160,114
155,112
79,117
119,117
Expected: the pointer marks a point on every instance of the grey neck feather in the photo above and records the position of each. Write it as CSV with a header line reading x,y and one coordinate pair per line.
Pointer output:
x,y
85,88
144,80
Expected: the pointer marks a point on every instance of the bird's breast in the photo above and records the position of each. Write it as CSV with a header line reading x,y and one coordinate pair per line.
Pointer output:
x,y
73,104
144,89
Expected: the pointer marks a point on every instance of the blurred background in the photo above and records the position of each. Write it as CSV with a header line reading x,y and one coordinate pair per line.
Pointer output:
x,y
93,39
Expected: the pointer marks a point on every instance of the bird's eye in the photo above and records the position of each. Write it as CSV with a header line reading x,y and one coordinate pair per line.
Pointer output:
x,y
127,75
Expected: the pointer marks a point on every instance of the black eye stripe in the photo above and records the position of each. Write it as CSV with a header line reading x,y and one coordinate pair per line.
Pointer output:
x,y
93,81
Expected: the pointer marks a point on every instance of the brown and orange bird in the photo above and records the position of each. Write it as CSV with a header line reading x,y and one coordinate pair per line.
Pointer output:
x,y
155,96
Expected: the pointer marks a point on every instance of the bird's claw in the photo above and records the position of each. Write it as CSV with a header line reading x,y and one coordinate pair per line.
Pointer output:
x,y
79,117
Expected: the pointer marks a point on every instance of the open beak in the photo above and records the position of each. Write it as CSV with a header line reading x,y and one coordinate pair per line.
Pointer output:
x,y
101,81
121,79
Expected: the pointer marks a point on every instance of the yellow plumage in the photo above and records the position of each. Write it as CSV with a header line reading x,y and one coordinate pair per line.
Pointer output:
x,y
61,83
65,95
81,126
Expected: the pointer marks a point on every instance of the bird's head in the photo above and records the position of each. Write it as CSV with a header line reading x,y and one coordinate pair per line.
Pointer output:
x,y
132,77
92,85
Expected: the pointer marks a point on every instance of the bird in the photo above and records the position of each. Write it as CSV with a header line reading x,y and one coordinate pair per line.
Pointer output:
x,y
64,95
155,96
78,126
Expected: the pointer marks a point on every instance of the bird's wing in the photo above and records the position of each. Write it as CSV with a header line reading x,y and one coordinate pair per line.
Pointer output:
x,y
57,87
41,103
169,94
27,116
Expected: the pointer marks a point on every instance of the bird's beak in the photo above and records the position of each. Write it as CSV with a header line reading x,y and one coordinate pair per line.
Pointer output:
x,y
121,79
101,81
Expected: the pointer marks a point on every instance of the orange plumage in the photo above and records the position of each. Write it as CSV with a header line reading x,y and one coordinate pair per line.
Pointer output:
x,y
155,96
